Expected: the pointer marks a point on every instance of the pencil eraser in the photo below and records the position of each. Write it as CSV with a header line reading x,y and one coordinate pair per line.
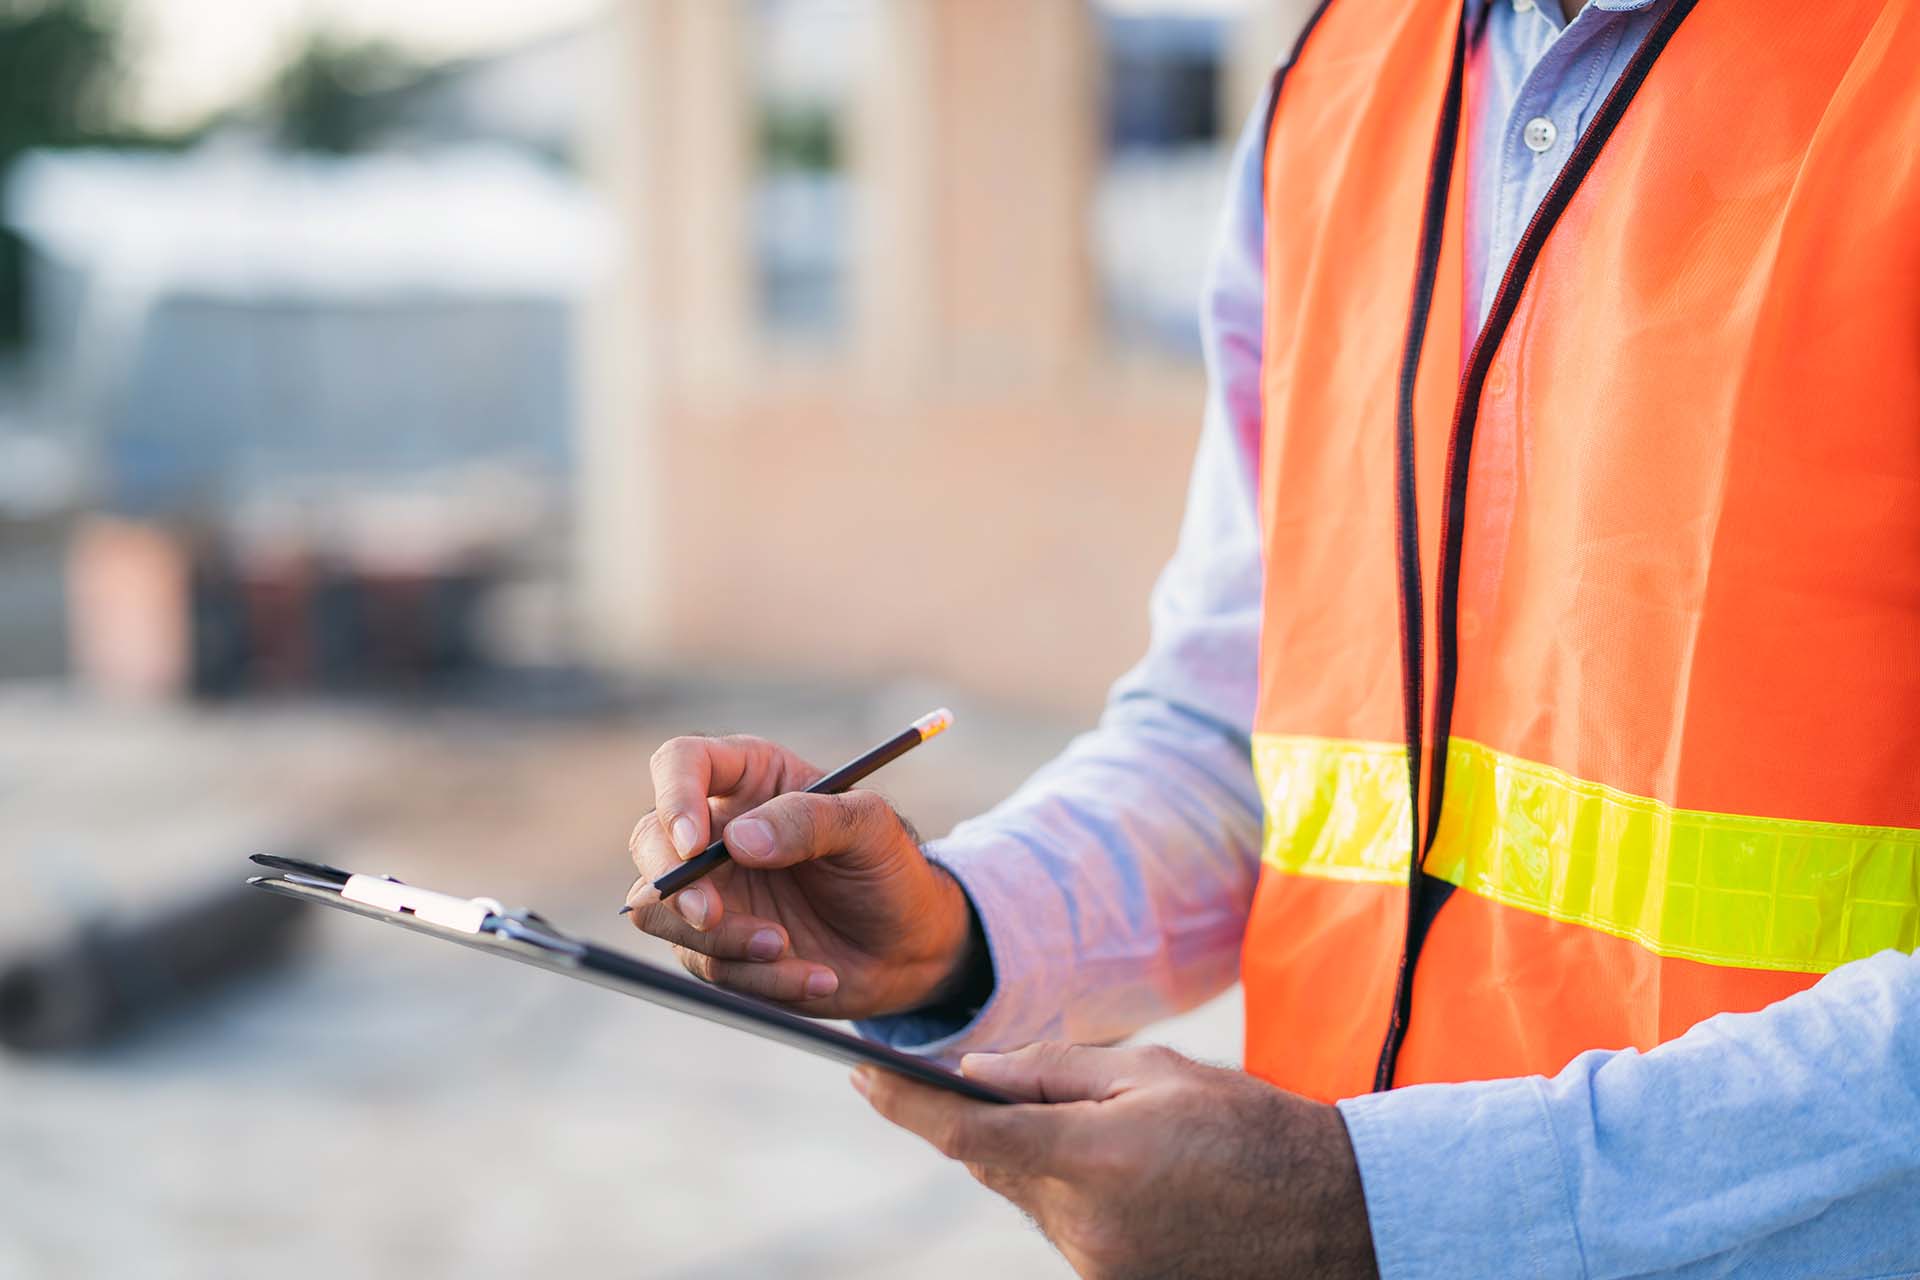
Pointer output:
x,y
934,722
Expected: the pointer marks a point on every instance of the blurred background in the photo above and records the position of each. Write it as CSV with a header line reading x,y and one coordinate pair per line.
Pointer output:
x,y
411,414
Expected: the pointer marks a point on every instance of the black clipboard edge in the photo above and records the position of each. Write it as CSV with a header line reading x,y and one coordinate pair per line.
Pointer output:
x,y
630,976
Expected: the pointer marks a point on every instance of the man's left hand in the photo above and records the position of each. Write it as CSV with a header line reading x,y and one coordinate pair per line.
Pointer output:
x,y
1139,1162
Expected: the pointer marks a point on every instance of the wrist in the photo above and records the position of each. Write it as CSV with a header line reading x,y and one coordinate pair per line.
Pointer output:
x,y
1301,1156
966,979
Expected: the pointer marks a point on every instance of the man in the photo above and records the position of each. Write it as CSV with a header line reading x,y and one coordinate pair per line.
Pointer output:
x,y
1532,711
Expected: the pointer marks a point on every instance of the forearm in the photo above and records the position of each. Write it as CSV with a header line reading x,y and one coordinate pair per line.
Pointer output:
x,y
1784,1142
1112,889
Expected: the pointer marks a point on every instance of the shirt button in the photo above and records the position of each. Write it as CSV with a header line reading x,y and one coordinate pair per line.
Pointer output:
x,y
1523,6
1539,134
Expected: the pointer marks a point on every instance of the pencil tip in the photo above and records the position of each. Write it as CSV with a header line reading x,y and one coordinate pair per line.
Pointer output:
x,y
622,911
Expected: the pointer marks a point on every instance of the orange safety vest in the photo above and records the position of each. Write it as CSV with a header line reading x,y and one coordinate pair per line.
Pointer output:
x,y
1609,625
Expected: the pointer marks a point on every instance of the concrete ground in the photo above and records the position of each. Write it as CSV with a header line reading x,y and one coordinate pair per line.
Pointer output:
x,y
386,1106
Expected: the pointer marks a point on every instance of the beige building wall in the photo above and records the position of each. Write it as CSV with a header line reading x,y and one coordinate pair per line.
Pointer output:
x,y
978,489
1263,37
976,148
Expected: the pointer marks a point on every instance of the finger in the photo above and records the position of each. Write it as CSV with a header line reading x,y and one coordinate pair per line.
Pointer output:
x,y
1020,1139
736,937
790,981
651,847
800,826
687,771
1049,1072
701,905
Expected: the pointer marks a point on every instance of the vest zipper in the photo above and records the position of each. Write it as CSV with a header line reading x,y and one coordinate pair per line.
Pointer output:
x,y
1425,895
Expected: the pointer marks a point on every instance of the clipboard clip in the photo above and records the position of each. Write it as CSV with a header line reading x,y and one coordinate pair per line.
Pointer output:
x,y
476,916
468,915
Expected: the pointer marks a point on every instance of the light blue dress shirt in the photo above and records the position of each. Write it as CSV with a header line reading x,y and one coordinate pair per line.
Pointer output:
x,y
1115,885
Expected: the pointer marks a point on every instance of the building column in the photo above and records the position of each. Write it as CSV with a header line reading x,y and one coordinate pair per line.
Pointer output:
x,y
976,148
670,150
1263,35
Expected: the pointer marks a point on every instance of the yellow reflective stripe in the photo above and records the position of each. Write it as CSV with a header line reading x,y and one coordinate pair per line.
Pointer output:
x,y
1335,809
1725,889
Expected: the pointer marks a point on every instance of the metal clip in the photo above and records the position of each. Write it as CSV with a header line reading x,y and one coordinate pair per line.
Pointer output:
x,y
468,915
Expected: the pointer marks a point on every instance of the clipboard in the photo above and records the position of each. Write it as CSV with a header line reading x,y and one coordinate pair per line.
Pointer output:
x,y
485,925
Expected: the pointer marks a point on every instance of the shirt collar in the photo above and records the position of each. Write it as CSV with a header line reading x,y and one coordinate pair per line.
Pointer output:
x,y
1477,7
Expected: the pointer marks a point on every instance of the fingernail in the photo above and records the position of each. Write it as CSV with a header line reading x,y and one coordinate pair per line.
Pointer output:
x,y
822,982
752,837
684,835
692,904
765,945
969,1061
862,1080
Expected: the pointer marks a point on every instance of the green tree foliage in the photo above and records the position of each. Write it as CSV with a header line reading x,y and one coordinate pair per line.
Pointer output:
x,y
332,96
803,138
57,60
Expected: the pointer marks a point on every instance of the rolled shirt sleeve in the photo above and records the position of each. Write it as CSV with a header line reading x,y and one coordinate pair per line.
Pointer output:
x,y
1779,1143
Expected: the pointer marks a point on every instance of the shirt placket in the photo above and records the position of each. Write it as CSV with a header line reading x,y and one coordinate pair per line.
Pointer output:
x,y
1555,98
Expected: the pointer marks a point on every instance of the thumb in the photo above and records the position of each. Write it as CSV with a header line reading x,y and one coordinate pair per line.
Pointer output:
x,y
1050,1072
801,826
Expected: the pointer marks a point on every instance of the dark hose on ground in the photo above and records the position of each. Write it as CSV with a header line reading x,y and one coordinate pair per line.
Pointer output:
x,y
111,974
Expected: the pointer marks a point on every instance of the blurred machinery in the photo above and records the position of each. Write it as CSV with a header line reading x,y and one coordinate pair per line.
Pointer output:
x,y
110,975
404,602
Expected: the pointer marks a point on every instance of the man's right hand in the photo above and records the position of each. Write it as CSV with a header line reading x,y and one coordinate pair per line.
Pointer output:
x,y
828,904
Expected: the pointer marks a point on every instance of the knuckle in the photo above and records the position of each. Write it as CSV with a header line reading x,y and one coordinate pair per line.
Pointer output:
x,y
1051,1053
865,804
879,1093
1046,1056
696,963
669,751
953,1138
1159,1055
856,817
657,921
728,941
1002,1183
870,813
794,818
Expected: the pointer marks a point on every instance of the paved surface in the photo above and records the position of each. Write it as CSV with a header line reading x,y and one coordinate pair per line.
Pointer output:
x,y
388,1107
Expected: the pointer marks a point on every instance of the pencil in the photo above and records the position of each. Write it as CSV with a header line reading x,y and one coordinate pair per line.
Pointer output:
x,y
847,775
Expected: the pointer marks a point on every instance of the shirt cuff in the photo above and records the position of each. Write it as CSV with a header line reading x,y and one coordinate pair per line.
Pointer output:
x,y
1464,1180
1025,919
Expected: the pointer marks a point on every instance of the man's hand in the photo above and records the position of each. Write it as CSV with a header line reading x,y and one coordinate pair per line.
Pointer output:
x,y
1144,1163
828,904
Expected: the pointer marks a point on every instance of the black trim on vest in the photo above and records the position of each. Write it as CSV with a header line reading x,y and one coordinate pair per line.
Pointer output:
x,y
1280,78
1406,511
1421,912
